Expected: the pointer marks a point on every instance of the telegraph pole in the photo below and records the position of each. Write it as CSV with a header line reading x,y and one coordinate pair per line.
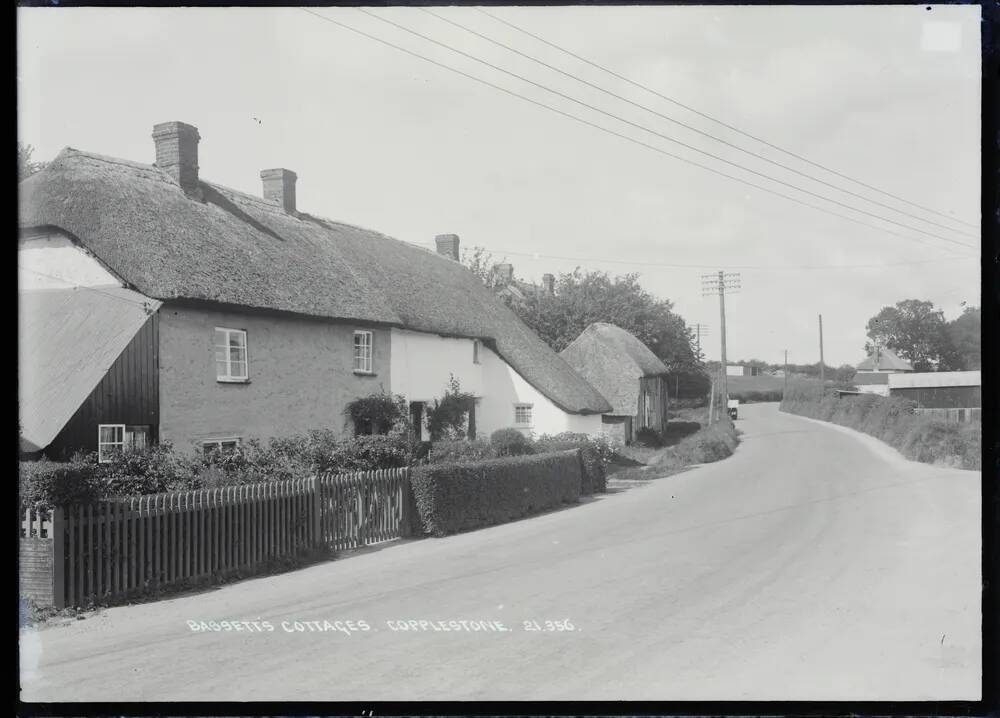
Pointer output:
x,y
785,375
700,329
821,365
712,283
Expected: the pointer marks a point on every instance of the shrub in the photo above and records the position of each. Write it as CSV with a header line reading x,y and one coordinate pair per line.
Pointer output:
x,y
648,437
153,470
376,413
460,450
713,443
458,497
362,453
510,442
52,483
446,417
595,454
749,397
892,420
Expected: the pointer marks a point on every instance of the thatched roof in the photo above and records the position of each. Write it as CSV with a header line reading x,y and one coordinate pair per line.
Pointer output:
x,y
240,250
613,361
887,361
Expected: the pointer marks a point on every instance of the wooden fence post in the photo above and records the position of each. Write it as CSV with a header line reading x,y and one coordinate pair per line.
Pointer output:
x,y
58,535
406,529
317,511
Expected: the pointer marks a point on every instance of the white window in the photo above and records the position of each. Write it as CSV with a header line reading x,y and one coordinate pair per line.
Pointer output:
x,y
223,445
475,351
231,355
522,414
363,352
110,441
115,438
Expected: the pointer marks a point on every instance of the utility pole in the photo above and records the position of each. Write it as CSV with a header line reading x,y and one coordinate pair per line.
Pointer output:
x,y
785,375
700,331
821,364
712,283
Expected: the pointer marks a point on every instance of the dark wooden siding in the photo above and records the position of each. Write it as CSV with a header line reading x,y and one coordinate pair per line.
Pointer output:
x,y
655,388
128,394
942,397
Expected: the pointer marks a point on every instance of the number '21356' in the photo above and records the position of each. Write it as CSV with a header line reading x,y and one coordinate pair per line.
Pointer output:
x,y
565,625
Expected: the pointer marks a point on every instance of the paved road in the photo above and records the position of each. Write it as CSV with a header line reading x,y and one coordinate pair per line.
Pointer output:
x,y
814,564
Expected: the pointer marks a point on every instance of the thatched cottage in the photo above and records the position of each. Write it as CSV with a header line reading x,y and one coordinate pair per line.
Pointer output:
x,y
156,306
625,371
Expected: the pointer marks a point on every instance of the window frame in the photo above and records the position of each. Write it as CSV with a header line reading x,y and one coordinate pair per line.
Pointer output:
x,y
218,443
229,377
101,458
370,358
530,410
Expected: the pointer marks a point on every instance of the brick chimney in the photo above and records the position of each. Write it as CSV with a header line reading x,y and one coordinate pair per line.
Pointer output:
x,y
549,284
279,187
447,244
177,154
506,272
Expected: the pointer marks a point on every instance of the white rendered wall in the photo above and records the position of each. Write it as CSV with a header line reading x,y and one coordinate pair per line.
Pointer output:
x,y
421,365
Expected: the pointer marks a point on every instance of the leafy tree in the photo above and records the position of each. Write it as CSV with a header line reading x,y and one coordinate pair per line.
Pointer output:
x,y
25,165
917,332
965,336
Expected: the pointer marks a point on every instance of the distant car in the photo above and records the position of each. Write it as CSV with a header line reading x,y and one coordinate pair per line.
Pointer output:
x,y
734,405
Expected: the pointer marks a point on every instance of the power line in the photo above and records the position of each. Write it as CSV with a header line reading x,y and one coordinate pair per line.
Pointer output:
x,y
667,265
613,132
654,132
691,127
720,122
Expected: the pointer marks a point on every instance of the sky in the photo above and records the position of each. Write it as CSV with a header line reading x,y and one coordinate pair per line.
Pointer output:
x,y
886,95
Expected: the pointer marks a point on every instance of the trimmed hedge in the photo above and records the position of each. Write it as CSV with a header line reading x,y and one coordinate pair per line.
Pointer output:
x,y
892,420
595,454
451,451
464,496
750,397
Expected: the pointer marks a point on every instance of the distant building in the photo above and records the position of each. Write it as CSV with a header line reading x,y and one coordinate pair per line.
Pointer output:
x,y
872,375
740,370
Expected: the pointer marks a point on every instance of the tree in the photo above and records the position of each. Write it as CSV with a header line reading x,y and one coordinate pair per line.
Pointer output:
x,y
582,298
481,263
917,332
965,336
25,165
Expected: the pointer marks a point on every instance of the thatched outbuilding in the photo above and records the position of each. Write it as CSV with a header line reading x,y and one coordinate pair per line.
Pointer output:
x,y
626,372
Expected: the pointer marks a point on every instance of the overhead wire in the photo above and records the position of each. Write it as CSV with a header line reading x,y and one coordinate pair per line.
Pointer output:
x,y
718,121
690,127
656,133
596,126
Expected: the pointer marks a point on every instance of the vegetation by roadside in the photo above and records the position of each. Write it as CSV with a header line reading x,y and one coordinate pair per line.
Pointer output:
x,y
709,443
892,420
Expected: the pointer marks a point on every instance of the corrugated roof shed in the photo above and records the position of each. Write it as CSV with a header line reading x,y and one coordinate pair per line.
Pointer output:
x,y
242,250
67,341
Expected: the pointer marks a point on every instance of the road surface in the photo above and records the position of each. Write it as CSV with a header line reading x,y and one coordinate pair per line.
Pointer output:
x,y
815,563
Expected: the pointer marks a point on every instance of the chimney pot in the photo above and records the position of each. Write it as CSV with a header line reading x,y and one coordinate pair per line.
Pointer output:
x,y
279,187
447,245
177,153
549,284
